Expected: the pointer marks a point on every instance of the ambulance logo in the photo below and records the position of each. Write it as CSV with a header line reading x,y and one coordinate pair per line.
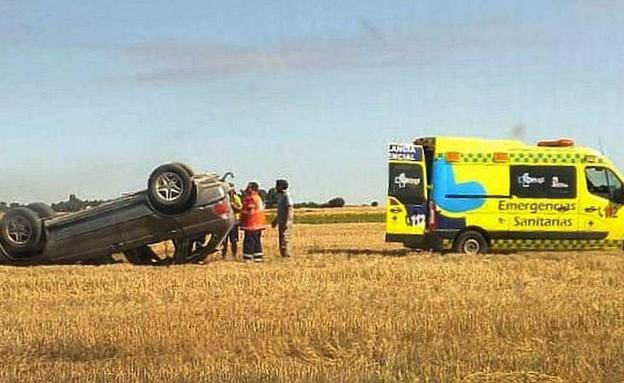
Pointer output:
x,y
526,180
402,181
558,184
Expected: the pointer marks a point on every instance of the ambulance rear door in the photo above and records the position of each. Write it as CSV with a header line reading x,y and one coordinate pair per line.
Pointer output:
x,y
406,206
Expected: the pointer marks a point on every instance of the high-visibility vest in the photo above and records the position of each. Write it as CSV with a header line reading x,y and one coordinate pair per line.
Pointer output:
x,y
252,215
237,205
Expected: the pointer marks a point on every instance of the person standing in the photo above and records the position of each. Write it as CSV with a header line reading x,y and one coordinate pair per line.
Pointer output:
x,y
284,218
253,222
237,204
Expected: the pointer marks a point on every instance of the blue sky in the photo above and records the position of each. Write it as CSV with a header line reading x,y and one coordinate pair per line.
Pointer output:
x,y
96,94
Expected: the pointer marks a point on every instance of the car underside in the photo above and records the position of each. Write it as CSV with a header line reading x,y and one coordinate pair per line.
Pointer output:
x,y
190,211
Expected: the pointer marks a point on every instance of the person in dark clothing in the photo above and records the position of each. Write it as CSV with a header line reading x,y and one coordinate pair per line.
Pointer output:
x,y
284,218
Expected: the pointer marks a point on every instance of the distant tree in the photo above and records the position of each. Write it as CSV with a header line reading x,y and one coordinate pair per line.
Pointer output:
x,y
336,202
263,194
74,204
4,206
312,205
374,203
271,198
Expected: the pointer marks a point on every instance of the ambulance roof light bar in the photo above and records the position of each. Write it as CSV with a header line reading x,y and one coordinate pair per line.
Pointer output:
x,y
560,143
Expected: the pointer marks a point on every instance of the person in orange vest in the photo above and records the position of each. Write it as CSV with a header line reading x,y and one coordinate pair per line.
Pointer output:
x,y
253,222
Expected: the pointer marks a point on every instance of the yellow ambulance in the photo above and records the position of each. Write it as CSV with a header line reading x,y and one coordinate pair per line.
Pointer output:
x,y
473,195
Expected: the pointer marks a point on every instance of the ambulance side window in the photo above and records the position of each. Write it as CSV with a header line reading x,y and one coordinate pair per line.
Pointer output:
x,y
543,181
406,183
604,183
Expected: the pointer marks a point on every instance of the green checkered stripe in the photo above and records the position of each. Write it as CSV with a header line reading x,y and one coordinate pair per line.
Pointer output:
x,y
554,244
477,157
528,157
549,158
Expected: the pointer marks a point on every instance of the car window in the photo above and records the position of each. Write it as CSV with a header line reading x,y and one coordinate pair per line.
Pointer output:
x,y
604,183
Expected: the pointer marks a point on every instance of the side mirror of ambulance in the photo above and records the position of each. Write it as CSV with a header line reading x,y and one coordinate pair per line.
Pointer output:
x,y
617,196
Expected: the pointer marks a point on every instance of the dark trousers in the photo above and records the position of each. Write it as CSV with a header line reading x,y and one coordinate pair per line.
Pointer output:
x,y
252,246
284,237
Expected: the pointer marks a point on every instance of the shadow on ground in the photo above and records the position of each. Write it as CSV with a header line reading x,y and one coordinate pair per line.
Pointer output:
x,y
353,251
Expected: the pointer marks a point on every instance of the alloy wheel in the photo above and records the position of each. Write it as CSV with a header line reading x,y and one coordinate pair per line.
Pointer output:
x,y
169,186
19,230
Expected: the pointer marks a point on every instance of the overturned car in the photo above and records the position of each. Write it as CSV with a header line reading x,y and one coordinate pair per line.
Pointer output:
x,y
190,210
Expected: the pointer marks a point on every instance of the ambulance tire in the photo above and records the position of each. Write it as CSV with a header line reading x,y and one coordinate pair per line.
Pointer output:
x,y
471,242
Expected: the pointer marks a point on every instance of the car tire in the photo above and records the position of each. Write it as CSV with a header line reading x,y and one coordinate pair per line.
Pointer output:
x,y
21,230
471,242
186,167
170,189
43,211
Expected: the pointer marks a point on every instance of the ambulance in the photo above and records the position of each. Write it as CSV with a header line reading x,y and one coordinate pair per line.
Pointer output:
x,y
472,195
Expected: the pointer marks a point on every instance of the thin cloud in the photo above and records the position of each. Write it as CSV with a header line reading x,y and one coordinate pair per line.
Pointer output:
x,y
168,62
602,5
14,35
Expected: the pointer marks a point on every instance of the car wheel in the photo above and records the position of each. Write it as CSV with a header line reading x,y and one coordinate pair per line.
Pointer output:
x,y
43,211
471,242
170,189
21,230
186,167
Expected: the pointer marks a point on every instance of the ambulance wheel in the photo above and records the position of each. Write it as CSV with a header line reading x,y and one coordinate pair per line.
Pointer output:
x,y
471,242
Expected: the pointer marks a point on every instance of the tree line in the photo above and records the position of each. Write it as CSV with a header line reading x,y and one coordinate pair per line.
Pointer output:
x,y
73,203
270,200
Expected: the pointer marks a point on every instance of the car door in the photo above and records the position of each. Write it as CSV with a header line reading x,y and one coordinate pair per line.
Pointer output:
x,y
83,235
406,206
602,218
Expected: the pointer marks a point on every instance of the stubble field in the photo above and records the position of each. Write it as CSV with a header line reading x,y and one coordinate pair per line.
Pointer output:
x,y
347,307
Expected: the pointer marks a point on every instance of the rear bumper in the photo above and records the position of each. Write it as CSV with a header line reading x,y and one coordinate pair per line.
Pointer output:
x,y
416,241
217,226
413,241
437,241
